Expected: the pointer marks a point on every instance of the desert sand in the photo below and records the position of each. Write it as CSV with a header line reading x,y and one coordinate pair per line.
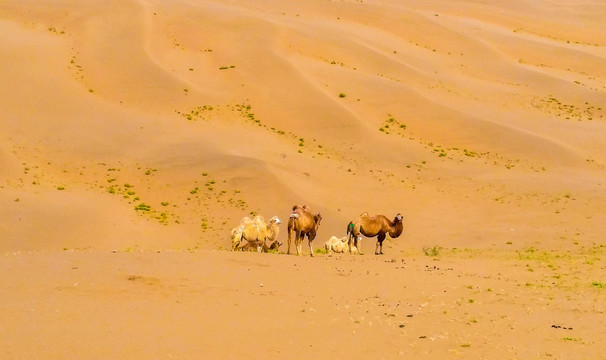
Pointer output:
x,y
134,135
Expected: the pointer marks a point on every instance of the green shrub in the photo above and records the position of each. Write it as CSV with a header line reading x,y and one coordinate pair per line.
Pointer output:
x,y
143,207
432,251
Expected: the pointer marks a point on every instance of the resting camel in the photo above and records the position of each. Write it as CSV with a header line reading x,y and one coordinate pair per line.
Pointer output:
x,y
338,245
272,246
303,222
258,246
371,226
250,246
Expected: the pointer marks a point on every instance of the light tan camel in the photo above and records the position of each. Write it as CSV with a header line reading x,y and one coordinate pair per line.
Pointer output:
x,y
302,222
337,245
255,231
236,233
371,226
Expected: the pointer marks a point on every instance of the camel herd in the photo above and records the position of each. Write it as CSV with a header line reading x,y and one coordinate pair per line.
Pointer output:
x,y
257,235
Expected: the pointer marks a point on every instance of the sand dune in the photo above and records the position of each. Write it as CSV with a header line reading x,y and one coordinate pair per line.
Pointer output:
x,y
147,129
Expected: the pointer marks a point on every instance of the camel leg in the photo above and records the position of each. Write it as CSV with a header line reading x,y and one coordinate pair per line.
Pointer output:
x,y
301,239
298,242
349,236
379,249
359,244
289,239
311,250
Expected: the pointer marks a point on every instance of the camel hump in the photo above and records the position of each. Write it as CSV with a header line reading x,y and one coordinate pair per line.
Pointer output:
x,y
246,220
300,208
258,219
365,213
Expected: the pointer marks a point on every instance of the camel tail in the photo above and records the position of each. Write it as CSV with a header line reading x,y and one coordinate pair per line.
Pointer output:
x,y
350,227
291,229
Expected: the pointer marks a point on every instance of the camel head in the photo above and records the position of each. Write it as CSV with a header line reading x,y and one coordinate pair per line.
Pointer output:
x,y
317,219
275,245
276,220
397,227
313,231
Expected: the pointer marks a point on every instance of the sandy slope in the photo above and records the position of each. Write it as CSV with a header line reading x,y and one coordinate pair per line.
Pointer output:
x,y
151,126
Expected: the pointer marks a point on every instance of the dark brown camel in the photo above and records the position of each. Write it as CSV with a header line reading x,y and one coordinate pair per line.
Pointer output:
x,y
275,245
250,246
302,222
259,246
371,226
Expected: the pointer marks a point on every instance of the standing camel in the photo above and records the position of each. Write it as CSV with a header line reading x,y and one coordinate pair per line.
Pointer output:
x,y
371,226
303,222
255,231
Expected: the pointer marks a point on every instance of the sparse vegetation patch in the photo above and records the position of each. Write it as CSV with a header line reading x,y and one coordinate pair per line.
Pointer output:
x,y
55,31
245,111
432,250
557,108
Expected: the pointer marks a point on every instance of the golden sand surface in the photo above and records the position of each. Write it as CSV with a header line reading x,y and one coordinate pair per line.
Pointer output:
x,y
134,135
